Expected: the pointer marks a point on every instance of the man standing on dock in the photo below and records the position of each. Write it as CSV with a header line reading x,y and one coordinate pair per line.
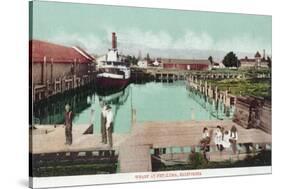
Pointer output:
x,y
103,122
68,117
109,124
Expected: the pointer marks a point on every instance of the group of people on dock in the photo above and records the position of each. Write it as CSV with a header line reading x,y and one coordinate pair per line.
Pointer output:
x,y
106,124
222,138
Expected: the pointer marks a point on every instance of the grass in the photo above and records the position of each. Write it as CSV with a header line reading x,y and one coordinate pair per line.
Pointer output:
x,y
245,87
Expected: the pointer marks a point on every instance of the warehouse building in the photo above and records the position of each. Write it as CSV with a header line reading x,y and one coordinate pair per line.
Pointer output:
x,y
186,64
55,68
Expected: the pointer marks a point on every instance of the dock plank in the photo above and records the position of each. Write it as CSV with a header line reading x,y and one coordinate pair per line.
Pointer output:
x,y
180,134
54,140
134,148
135,158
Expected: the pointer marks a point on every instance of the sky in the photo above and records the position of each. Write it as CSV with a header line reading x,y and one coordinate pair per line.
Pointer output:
x,y
159,32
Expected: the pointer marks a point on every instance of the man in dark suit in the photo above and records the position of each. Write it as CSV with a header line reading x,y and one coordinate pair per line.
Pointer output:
x,y
68,117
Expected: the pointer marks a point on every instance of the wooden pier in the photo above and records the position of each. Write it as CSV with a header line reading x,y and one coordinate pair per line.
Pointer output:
x,y
171,135
61,85
51,139
170,75
134,149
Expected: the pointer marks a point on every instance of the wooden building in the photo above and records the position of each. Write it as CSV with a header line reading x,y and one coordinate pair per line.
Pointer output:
x,y
55,68
257,62
186,64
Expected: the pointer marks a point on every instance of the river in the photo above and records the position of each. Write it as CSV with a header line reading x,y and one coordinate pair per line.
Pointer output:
x,y
153,101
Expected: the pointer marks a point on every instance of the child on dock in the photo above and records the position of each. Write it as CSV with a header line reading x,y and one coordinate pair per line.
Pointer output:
x,y
225,140
205,141
218,138
233,138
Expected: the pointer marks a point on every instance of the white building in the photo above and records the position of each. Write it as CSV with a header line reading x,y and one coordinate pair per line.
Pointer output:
x,y
156,63
142,63
218,65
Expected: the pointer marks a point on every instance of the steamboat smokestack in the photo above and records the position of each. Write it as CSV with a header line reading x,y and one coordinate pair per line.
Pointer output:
x,y
114,40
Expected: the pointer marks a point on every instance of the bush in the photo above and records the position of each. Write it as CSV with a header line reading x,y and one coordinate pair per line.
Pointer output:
x,y
197,160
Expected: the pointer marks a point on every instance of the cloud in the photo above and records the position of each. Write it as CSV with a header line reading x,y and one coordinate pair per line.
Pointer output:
x,y
90,42
162,43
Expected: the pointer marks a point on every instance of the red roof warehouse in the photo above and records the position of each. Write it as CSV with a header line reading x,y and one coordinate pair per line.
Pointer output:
x,y
51,64
59,53
186,64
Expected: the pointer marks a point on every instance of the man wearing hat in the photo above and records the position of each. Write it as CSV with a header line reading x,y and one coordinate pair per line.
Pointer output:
x,y
109,124
68,117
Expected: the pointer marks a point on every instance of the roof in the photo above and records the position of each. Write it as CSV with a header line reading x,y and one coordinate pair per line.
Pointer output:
x,y
185,61
58,53
257,55
247,60
84,53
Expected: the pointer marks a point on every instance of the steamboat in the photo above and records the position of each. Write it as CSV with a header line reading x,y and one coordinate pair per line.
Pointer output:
x,y
113,73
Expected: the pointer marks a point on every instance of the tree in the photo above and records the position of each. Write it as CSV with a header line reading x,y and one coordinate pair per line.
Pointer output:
x,y
269,61
134,60
231,60
147,57
131,60
211,59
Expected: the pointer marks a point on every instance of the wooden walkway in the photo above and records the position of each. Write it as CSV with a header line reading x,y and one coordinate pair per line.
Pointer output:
x,y
47,139
135,158
151,135
188,133
134,148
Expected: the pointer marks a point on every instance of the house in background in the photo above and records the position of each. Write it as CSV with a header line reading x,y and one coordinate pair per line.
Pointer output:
x,y
142,63
156,63
218,65
257,62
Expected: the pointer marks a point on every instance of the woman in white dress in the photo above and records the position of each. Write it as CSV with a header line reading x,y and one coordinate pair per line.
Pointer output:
x,y
225,141
218,137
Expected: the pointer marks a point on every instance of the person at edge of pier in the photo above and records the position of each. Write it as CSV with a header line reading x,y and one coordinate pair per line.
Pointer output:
x,y
103,122
205,141
218,138
233,138
68,117
109,124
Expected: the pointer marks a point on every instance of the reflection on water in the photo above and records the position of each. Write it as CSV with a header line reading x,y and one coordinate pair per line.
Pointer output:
x,y
216,109
152,101
51,111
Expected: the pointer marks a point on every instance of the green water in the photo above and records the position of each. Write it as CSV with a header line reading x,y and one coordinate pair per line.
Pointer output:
x,y
152,102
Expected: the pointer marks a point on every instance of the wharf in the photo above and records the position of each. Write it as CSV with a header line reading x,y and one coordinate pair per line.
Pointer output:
x,y
188,133
180,134
173,74
50,139
134,149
